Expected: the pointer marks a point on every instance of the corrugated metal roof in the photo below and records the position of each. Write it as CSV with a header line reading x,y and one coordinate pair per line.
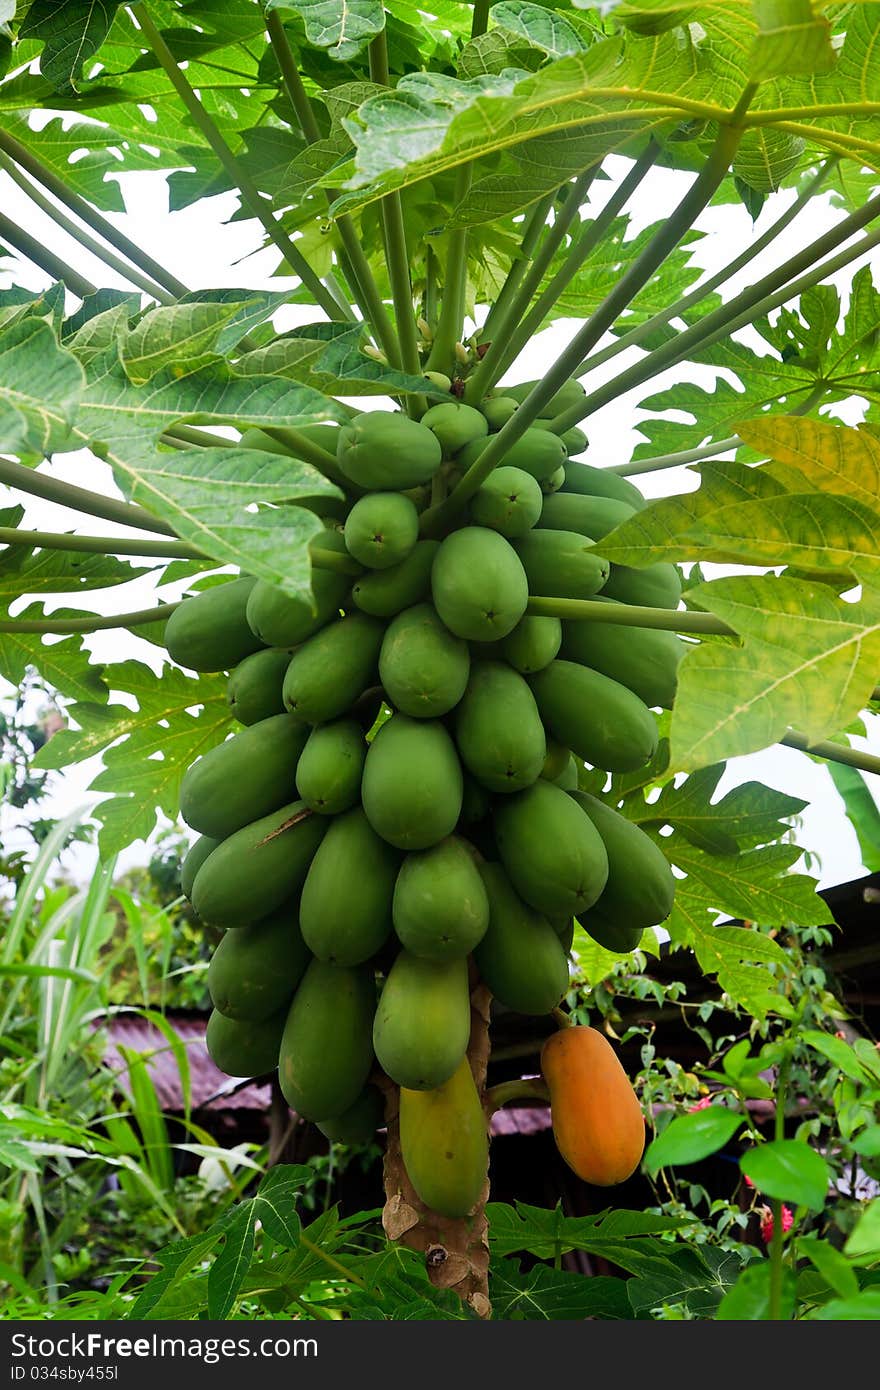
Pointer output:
x,y
212,1090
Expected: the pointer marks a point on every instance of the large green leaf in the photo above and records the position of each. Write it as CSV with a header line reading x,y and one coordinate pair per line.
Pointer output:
x,y
40,386
146,750
343,27
747,815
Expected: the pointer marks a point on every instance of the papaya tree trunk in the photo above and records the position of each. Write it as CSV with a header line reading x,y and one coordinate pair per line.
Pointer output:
x,y
456,1251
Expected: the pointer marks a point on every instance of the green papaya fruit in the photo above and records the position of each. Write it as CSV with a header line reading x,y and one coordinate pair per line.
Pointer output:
x,y
509,502
596,717
655,586
455,424
570,394
384,593
193,861
567,779
536,451
564,929
242,1047
382,529
326,1051
423,667
551,851
329,771
285,620
641,887
345,909
643,659
520,958
561,564
385,451
444,1143
440,909
498,729
553,482
619,937
498,410
254,971
257,868
423,1021
253,691
588,516
588,481
248,776
478,584
533,644
412,784
329,671
439,380
359,1122
210,631
556,761
575,441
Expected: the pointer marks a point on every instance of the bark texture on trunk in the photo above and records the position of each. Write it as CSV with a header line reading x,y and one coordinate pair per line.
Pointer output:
x,y
456,1251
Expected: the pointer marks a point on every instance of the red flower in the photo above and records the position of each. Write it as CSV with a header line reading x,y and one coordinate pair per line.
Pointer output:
x,y
700,1104
767,1221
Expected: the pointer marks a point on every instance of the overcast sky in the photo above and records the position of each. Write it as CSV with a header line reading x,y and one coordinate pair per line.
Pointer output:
x,y
204,252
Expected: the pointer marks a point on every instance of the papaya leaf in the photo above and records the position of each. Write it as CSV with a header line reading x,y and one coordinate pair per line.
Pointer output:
x,y
861,810
547,1294
327,357
40,387
808,660
146,750
695,1280
343,27
748,815
755,886
792,38
831,458
73,31
176,1262
623,1237
546,29
183,335
498,49
232,1261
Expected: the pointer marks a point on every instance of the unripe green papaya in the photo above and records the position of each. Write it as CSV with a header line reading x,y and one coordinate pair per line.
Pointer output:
x,y
561,564
422,665
596,717
498,729
285,620
329,671
193,861
641,887
345,910
383,450
655,586
475,801
575,441
584,479
326,1051
359,1122
644,660
498,410
440,908
381,529
619,937
551,851
455,424
210,632
536,451
509,502
329,771
553,482
588,516
556,761
444,1143
383,593
254,971
478,584
412,784
520,958
242,1047
257,868
248,776
567,779
533,644
570,393
423,1021
253,691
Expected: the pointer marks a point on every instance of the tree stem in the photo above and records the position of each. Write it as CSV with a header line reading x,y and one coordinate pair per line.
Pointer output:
x,y
92,218
442,355
644,330
79,499
524,1089
34,250
250,195
58,627
100,545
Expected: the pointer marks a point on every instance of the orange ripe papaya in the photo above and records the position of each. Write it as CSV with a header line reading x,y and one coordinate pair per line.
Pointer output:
x,y
597,1120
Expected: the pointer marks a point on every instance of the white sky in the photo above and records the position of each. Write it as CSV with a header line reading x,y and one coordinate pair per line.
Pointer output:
x,y
203,251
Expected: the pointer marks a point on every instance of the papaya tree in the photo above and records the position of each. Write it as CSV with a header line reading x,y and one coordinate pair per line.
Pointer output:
x,y
480,693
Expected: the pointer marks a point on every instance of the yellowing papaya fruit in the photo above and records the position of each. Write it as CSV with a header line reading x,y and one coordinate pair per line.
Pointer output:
x,y
444,1142
597,1121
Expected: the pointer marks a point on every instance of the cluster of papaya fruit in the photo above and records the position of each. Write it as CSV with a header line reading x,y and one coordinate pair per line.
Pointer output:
x,y
401,806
